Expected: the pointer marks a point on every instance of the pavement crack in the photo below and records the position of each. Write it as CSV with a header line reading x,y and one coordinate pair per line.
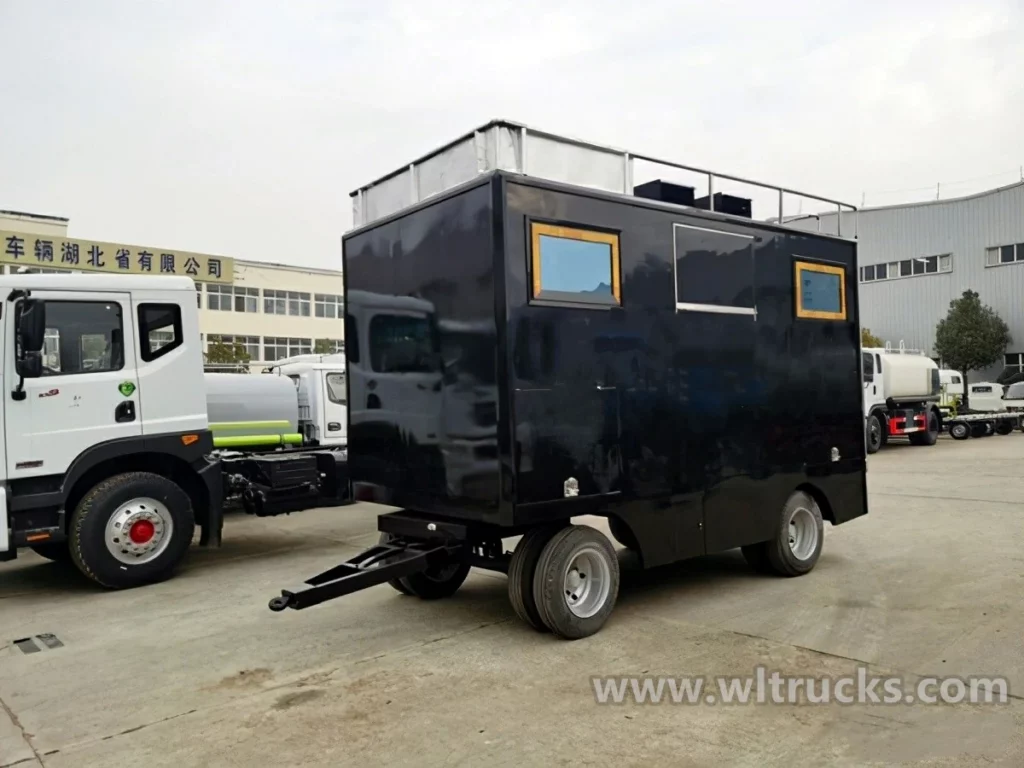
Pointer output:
x,y
148,725
24,735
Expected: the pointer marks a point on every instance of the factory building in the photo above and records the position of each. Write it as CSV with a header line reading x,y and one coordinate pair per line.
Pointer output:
x,y
916,258
273,310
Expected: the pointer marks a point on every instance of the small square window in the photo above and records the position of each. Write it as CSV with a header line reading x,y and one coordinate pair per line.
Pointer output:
x,y
1006,254
880,272
919,266
906,268
945,263
931,264
869,273
820,291
1020,251
575,265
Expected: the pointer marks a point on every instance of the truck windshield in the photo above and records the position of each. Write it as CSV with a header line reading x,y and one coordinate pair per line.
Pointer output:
x,y
403,344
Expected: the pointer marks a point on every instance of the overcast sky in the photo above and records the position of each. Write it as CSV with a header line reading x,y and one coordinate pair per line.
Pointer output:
x,y
239,128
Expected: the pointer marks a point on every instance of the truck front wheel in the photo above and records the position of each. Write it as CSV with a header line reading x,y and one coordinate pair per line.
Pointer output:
x,y
874,433
131,529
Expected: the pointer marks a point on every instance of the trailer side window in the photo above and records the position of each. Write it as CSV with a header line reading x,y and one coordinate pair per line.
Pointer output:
x,y
714,270
820,291
575,265
159,330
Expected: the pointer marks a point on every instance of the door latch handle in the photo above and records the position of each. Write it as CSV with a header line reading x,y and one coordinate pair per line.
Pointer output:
x,y
125,412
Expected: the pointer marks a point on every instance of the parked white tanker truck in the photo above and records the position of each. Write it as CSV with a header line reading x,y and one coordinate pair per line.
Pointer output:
x,y
901,396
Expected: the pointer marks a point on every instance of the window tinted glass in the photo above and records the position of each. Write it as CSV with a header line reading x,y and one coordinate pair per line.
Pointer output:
x,y
336,387
83,337
714,267
821,292
575,266
159,330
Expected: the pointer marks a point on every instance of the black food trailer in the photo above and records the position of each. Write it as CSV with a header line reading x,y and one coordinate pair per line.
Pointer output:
x,y
661,360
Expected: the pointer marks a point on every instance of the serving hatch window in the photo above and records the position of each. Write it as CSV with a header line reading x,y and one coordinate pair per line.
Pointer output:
x,y
576,265
820,291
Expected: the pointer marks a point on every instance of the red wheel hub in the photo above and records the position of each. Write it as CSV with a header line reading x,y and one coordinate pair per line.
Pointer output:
x,y
141,532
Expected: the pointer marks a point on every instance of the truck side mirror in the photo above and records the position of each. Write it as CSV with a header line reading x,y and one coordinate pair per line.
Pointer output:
x,y
30,330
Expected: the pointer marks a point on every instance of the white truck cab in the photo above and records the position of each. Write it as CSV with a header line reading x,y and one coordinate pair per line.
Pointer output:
x,y
104,456
901,395
323,400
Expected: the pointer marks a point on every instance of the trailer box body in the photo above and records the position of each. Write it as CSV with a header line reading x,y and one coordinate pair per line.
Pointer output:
x,y
678,369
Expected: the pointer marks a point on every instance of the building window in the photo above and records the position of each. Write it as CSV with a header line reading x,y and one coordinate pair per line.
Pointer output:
x,y
218,297
328,305
922,265
286,303
199,295
251,344
279,347
247,299
298,304
1004,254
575,265
1014,360
820,291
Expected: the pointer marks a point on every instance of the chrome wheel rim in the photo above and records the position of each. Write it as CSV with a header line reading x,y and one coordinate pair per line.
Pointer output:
x,y
587,582
139,531
803,533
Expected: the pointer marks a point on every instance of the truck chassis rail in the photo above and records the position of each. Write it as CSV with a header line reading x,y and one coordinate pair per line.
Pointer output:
x,y
377,565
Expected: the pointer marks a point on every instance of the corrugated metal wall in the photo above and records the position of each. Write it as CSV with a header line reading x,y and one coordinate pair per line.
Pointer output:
x,y
908,308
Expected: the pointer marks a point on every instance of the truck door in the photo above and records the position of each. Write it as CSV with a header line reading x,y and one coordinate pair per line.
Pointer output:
x,y
88,393
333,430
873,395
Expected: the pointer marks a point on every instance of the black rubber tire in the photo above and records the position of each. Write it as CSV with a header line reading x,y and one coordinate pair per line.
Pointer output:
x,y
396,584
1003,427
548,581
622,534
86,533
780,556
756,556
929,436
521,572
958,430
58,551
437,583
874,432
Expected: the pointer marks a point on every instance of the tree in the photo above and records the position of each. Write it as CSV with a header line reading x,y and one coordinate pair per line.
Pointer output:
x,y
868,339
219,353
971,336
323,347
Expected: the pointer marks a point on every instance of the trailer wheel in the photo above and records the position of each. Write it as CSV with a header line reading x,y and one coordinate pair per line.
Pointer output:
x,y
58,552
131,529
521,572
931,435
397,584
577,582
959,431
1004,427
437,581
796,547
874,433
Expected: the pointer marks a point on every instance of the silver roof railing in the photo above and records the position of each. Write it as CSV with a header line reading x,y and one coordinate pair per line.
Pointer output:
x,y
511,146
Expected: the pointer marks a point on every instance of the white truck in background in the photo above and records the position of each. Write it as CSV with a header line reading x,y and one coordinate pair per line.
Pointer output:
x,y
116,446
322,399
901,396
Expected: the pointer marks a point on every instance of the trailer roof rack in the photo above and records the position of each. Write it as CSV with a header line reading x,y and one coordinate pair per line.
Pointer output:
x,y
514,147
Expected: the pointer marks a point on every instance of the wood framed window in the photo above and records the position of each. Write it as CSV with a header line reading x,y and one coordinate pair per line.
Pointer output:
x,y
574,265
820,291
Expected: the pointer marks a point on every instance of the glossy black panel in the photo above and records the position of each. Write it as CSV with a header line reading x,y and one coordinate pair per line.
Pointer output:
x,y
716,416
422,344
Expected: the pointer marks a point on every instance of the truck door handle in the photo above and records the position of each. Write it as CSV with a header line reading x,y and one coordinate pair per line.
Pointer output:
x,y
125,412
